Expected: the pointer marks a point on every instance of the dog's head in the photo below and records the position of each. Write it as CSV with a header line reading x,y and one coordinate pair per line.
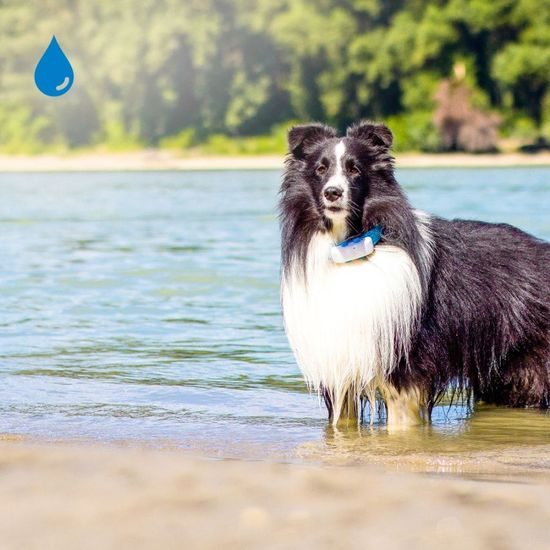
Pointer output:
x,y
338,175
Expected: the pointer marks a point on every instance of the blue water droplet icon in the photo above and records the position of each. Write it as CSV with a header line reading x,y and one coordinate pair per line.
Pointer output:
x,y
54,75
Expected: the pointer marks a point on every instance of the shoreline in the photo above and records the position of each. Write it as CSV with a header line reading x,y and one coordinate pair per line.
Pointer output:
x,y
90,496
162,160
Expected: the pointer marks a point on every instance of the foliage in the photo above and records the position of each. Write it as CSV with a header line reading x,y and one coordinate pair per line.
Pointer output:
x,y
213,73
274,142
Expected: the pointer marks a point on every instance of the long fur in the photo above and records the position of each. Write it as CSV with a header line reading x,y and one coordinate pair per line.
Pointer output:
x,y
439,304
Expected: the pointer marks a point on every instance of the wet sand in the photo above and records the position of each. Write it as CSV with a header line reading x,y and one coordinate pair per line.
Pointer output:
x,y
90,496
154,159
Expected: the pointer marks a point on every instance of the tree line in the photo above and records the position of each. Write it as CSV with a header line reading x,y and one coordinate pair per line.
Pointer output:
x,y
186,72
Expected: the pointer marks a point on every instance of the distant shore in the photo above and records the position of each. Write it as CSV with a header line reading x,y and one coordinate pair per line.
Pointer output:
x,y
154,159
64,497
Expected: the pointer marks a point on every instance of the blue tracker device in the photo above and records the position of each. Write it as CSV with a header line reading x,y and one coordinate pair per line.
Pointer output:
x,y
356,247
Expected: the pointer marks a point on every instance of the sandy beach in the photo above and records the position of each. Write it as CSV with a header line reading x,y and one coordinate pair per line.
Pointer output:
x,y
154,159
67,496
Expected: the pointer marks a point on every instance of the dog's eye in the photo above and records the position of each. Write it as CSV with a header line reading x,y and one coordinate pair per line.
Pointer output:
x,y
353,169
321,169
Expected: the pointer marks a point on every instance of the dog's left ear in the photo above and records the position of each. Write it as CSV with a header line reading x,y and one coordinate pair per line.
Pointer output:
x,y
302,137
378,135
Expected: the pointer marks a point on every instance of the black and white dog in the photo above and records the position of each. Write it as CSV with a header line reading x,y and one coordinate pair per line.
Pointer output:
x,y
439,304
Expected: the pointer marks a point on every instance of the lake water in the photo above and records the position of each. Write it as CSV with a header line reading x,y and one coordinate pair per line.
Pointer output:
x,y
144,308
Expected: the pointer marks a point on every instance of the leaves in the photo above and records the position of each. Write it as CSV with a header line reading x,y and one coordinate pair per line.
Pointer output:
x,y
150,69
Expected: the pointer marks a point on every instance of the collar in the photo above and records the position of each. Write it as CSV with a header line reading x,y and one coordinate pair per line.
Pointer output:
x,y
356,247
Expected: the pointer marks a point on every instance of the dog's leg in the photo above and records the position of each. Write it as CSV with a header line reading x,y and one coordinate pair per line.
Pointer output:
x,y
522,380
344,410
405,407
350,410
327,398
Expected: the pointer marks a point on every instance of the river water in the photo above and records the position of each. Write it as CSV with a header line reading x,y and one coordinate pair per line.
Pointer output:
x,y
142,307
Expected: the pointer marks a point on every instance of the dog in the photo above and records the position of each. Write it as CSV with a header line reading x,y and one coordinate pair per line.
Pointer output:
x,y
439,305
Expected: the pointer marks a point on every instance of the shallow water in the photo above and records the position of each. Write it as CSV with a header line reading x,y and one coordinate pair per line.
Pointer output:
x,y
143,307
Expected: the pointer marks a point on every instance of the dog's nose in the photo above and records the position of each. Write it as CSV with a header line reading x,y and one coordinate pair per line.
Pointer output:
x,y
333,193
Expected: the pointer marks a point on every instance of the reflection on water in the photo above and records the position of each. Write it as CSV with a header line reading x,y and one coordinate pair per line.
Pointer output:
x,y
452,434
145,307
492,441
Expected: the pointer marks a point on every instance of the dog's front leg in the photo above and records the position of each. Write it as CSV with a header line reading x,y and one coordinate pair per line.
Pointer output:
x,y
405,407
342,409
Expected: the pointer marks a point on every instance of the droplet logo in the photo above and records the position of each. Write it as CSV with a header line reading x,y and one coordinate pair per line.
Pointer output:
x,y
53,75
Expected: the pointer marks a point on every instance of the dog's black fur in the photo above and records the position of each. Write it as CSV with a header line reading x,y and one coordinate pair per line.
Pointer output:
x,y
485,316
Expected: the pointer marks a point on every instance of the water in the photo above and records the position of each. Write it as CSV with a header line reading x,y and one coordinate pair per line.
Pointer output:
x,y
143,307
54,74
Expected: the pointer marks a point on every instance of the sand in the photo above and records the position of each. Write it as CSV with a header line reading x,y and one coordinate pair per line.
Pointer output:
x,y
154,159
57,496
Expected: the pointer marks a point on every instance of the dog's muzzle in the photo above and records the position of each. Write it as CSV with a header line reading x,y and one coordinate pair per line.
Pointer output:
x,y
334,200
332,193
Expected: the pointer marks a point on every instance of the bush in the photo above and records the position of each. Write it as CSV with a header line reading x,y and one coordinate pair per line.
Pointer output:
x,y
414,132
23,133
273,143
116,138
182,140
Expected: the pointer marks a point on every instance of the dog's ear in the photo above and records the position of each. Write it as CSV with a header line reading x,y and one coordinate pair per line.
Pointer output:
x,y
302,137
378,135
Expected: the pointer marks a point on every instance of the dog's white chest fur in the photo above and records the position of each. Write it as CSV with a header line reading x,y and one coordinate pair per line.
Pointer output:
x,y
349,324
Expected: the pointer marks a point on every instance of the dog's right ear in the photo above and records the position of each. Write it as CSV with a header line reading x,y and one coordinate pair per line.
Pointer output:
x,y
373,133
302,137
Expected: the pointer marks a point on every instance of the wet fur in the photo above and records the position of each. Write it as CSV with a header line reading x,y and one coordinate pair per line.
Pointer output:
x,y
440,304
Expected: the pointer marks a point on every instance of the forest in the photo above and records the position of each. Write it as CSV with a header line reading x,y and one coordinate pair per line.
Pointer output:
x,y
229,76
